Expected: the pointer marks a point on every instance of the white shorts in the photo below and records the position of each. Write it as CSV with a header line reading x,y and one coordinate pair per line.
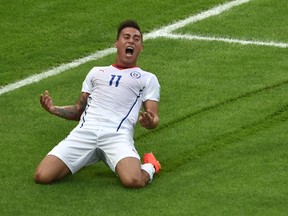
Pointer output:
x,y
84,147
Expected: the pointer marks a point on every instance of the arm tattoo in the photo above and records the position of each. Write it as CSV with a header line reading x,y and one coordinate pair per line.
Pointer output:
x,y
82,102
67,112
73,112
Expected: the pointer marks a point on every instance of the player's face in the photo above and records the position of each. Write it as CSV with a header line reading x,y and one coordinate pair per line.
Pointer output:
x,y
129,46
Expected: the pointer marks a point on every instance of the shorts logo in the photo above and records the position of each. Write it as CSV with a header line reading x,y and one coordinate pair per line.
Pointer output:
x,y
135,74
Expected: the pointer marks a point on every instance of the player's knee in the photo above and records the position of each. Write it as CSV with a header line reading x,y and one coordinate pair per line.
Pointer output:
x,y
133,183
41,177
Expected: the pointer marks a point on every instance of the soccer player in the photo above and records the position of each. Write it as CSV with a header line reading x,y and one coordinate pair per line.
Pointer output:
x,y
108,108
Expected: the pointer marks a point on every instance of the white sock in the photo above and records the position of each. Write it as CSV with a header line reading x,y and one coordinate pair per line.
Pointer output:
x,y
149,168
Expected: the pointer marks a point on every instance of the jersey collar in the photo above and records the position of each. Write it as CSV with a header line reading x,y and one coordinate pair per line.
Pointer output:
x,y
121,67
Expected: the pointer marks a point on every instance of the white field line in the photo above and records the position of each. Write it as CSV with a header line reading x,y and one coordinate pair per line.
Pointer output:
x,y
227,40
54,71
192,19
154,34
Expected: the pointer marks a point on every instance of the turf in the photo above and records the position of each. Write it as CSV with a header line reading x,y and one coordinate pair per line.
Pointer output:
x,y
222,140
248,23
39,35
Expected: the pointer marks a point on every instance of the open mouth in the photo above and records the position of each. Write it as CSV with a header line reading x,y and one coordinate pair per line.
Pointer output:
x,y
129,51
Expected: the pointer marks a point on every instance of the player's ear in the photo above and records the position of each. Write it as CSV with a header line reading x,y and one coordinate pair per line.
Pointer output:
x,y
115,44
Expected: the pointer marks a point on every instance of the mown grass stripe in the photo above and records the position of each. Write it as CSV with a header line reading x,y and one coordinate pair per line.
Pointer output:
x,y
195,18
196,152
54,71
100,54
188,116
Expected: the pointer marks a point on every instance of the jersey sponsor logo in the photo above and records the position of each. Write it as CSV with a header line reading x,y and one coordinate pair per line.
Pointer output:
x,y
135,74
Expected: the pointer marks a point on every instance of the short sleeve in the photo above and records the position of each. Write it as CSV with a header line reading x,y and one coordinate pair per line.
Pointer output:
x,y
152,89
87,83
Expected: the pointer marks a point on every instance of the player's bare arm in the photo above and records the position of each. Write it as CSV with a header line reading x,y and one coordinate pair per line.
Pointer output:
x,y
71,112
149,117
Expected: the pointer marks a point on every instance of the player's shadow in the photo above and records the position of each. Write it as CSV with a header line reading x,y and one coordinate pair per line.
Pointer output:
x,y
98,174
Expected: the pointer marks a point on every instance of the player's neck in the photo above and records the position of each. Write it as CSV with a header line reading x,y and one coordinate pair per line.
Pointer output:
x,y
121,67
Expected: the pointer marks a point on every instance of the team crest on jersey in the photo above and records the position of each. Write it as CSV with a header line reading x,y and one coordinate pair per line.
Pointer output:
x,y
135,74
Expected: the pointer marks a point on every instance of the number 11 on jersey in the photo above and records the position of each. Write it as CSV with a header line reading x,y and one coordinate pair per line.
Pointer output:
x,y
117,81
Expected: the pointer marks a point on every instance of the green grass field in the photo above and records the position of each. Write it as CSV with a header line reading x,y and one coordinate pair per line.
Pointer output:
x,y
222,140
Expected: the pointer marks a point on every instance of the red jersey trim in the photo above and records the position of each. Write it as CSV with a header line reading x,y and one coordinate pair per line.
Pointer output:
x,y
121,67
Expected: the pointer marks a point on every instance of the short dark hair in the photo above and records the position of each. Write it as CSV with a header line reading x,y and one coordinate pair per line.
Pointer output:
x,y
128,23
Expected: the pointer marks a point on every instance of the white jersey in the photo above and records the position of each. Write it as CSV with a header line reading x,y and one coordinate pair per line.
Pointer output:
x,y
116,97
